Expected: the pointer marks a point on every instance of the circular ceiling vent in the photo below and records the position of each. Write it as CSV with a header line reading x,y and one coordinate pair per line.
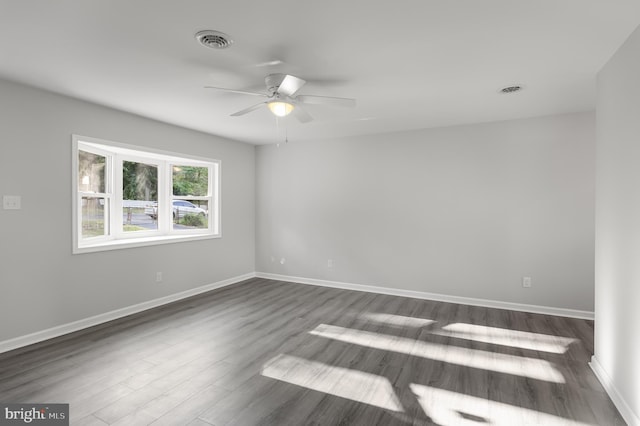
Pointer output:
x,y
511,89
214,39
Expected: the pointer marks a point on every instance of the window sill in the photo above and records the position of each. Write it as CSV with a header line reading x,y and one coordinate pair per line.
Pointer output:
x,y
140,242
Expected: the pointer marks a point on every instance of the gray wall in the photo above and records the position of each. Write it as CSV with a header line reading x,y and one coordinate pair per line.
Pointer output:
x,y
617,339
42,284
463,211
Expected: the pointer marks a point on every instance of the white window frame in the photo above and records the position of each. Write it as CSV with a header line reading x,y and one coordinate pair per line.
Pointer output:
x,y
115,237
212,201
107,195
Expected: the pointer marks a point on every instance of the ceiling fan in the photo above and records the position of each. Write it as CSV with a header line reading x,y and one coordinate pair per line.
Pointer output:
x,y
282,99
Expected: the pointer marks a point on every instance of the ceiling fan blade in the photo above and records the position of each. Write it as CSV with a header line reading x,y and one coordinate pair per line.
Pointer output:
x,y
290,85
271,63
302,115
326,100
247,110
243,92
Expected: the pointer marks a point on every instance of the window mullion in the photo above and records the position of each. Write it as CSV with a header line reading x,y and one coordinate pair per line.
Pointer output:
x,y
164,189
108,211
214,192
116,210
93,194
191,197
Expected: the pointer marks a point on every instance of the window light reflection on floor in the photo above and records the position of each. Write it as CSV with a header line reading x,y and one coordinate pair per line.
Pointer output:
x,y
396,320
474,358
479,333
451,408
505,337
342,382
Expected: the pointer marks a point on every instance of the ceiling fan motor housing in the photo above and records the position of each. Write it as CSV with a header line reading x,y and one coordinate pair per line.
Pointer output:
x,y
273,81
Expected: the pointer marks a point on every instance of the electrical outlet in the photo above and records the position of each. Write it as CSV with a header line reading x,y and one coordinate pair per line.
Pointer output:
x,y
526,282
11,202
330,263
282,261
158,277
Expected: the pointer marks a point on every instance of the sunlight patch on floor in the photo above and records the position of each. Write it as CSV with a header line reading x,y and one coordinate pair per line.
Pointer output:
x,y
452,408
506,337
342,382
474,358
396,320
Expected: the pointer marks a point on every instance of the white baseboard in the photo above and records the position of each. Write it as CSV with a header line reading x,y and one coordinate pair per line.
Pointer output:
x,y
629,416
60,330
572,313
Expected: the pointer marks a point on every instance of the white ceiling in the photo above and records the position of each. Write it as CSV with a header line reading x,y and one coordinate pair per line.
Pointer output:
x,y
409,64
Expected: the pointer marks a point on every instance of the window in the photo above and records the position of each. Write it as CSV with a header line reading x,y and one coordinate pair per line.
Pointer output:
x,y
127,196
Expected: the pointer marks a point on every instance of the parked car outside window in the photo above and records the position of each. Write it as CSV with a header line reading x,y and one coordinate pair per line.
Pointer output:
x,y
181,208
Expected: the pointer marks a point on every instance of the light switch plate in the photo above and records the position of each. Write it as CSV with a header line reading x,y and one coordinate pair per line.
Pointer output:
x,y
11,202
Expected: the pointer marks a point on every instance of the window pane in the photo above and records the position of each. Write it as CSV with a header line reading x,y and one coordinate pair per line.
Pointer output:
x,y
93,217
140,192
190,180
190,214
91,170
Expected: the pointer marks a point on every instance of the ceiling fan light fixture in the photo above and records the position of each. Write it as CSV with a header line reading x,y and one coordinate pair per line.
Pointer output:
x,y
280,108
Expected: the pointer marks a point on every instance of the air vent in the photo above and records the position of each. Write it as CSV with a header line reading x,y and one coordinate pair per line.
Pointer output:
x,y
214,39
511,89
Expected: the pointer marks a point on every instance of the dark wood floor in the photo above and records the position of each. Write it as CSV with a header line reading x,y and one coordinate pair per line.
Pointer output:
x,y
275,353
